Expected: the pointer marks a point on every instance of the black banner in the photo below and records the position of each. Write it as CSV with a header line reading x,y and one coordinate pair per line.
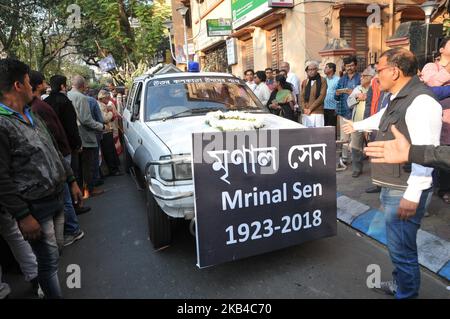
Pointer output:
x,y
264,190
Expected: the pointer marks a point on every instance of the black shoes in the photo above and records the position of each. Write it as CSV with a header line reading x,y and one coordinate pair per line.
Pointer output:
x,y
82,210
356,174
70,239
373,189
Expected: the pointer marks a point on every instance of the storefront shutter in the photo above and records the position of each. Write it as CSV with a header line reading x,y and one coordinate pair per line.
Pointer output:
x,y
276,41
248,54
354,30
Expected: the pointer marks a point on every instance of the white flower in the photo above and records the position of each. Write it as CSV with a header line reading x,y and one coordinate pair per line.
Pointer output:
x,y
233,121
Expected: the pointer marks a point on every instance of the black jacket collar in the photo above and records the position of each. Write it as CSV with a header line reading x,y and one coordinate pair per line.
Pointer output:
x,y
407,89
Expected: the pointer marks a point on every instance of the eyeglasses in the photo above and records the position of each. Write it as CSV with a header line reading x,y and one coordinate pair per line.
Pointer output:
x,y
382,69
309,70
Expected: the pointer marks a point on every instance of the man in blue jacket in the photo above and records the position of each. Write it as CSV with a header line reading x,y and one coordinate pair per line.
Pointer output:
x,y
350,80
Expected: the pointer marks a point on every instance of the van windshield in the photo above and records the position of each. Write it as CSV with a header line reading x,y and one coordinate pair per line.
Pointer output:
x,y
187,96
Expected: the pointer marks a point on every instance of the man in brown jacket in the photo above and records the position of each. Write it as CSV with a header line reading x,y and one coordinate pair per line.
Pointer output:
x,y
314,90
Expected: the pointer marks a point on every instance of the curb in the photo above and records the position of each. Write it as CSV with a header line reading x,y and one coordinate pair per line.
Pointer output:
x,y
434,252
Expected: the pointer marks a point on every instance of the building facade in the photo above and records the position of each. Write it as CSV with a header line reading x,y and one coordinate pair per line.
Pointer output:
x,y
177,32
210,49
264,34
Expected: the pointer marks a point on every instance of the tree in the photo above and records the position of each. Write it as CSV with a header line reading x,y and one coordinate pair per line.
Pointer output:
x,y
14,15
35,31
106,30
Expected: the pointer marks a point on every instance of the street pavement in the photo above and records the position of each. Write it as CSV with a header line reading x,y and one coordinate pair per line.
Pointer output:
x,y
438,223
117,261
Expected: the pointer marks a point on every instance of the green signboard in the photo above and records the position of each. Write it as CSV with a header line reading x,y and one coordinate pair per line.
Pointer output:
x,y
244,11
218,27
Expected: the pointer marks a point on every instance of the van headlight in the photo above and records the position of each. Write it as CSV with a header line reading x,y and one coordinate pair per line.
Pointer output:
x,y
183,171
165,172
175,171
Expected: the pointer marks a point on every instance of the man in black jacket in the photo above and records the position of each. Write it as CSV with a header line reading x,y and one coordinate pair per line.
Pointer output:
x,y
72,230
63,107
32,174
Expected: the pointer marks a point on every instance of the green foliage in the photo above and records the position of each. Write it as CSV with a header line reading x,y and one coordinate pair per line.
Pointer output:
x,y
36,32
106,30
447,27
69,70
151,29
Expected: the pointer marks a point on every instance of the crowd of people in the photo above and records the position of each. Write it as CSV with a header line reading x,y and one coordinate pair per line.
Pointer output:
x,y
57,145
338,97
395,107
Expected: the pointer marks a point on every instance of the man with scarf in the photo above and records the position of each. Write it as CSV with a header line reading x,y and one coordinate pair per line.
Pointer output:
x,y
314,90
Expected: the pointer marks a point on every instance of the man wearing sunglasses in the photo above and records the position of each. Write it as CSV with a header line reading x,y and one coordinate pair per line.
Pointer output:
x,y
406,189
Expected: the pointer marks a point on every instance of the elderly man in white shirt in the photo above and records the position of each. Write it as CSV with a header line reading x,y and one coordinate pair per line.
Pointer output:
x,y
261,91
291,78
406,189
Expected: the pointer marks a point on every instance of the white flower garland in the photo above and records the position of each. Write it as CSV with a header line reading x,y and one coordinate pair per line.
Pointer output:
x,y
233,121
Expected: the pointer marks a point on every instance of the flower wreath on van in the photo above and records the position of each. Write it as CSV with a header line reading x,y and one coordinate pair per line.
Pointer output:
x,y
233,121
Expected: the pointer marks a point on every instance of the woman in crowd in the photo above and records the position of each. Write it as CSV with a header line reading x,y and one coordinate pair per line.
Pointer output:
x,y
110,115
282,100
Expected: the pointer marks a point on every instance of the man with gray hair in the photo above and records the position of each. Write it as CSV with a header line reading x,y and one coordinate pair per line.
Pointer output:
x,y
357,103
406,190
291,78
87,127
314,90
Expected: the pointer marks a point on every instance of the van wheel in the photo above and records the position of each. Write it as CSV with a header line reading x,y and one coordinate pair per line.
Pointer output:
x,y
159,224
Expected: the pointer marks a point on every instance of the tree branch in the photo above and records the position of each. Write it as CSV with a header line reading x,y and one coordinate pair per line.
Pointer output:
x,y
47,58
46,62
91,61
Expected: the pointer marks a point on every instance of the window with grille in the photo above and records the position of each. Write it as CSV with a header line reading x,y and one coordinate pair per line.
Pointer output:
x,y
247,54
354,30
216,59
276,47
